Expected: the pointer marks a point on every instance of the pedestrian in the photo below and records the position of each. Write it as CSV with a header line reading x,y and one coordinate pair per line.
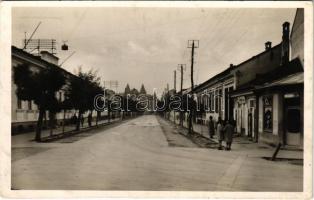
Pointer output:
x,y
211,127
228,130
220,133
82,120
74,119
89,120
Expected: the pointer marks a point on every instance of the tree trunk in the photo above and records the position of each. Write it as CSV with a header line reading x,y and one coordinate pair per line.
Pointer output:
x,y
78,122
51,122
97,116
39,125
63,124
181,118
190,123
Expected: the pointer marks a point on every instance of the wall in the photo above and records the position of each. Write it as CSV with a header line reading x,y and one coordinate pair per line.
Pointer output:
x,y
260,64
24,116
297,36
277,120
227,83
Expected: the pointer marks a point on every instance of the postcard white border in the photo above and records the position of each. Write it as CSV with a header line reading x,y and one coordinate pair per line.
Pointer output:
x,y
5,103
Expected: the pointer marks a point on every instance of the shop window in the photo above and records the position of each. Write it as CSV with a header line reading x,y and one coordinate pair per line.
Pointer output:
x,y
268,113
252,103
293,121
205,98
216,101
220,106
212,102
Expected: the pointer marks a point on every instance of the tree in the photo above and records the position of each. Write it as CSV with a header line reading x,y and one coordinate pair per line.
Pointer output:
x,y
127,89
81,92
134,92
142,90
39,86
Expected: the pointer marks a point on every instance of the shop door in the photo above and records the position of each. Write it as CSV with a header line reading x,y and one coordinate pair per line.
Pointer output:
x,y
251,123
293,126
293,121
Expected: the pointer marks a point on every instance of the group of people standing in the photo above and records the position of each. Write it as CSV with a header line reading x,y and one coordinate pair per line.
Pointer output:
x,y
224,131
74,119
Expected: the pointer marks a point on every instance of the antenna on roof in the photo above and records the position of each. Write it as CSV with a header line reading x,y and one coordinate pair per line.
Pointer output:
x,y
67,58
26,43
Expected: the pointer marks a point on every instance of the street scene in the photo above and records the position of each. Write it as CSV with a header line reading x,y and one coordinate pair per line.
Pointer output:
x,y
157,99
147,153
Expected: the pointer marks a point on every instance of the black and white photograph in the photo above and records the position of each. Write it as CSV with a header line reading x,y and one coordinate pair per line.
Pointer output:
x,y
177,98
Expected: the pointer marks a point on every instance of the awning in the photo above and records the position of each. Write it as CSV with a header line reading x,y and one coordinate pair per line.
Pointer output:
x,y
293,79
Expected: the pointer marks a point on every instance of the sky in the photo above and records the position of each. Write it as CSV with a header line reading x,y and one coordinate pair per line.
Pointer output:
x,y
145,45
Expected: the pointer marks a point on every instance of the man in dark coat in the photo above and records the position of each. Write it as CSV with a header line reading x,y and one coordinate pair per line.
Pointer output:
x,y
211,127
228,129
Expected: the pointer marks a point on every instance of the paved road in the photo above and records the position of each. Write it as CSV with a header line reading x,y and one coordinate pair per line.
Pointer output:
x,y
135,155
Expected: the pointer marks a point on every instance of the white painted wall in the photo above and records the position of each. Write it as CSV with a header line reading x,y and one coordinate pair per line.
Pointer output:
x,y
260,115
275,114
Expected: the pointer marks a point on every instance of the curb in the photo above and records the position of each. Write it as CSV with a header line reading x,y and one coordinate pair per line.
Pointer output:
x,y
55,137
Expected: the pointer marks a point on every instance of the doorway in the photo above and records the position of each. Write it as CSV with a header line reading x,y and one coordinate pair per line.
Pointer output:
x,y
292,123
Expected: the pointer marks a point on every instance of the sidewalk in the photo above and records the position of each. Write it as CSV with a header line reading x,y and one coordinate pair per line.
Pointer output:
x,y
244,146
24,138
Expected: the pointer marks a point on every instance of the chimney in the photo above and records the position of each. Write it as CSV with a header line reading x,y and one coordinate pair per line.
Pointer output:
x,y
267,45
285,43
49,57
231,66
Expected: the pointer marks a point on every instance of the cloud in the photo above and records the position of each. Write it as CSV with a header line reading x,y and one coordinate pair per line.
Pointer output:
x,y
137,49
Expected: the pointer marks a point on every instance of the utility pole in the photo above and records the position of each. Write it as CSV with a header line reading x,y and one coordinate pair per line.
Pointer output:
x,y
175,91
175,80
192,44
181,67
27,41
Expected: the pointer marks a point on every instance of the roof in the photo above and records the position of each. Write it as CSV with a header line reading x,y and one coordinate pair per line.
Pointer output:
x,y
37,58
293,79
227,71
281,72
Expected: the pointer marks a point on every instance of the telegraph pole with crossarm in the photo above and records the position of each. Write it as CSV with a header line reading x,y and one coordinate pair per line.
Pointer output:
x,y
192,44
181,67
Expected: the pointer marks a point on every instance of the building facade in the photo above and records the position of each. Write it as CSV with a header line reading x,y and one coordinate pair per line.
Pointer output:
x,y
25,113
272,103
215,93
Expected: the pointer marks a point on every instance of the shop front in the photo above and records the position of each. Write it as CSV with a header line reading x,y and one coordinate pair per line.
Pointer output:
x,y
245,114
281,112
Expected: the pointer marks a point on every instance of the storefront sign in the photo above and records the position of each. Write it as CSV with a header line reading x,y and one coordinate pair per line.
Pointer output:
x,y
268,101
241,100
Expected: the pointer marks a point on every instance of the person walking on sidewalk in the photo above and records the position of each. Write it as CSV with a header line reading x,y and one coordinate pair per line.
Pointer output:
x,y
228,129
211,127
220,133
74,119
